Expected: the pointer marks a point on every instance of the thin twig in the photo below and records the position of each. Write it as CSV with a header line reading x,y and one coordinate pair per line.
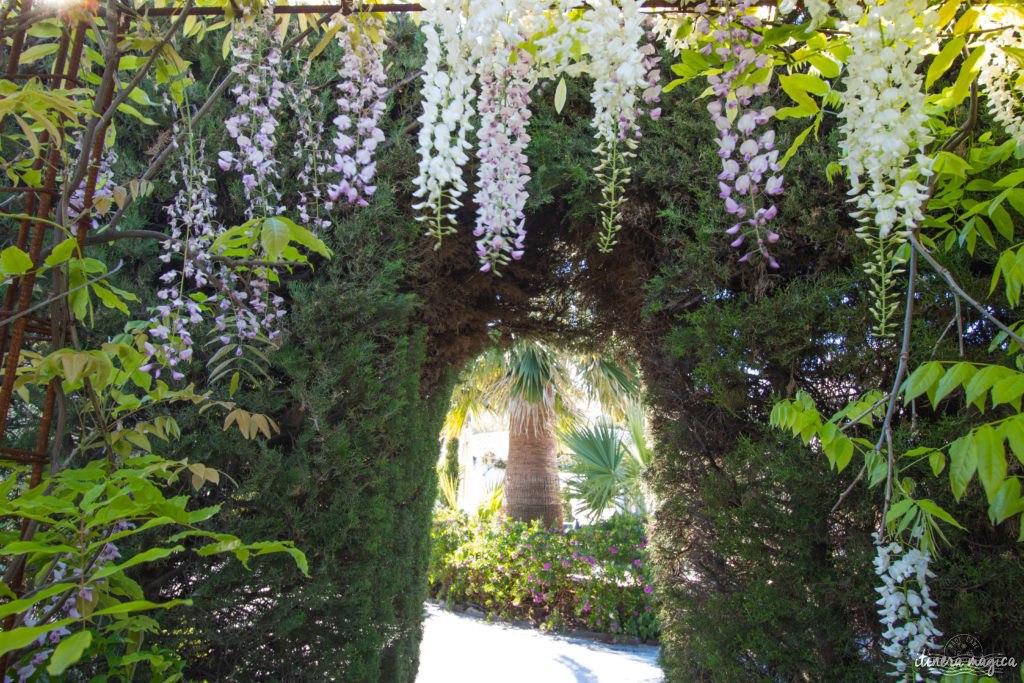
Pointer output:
x,y
864,414
959,324
948,277
60,296
844,494
901,370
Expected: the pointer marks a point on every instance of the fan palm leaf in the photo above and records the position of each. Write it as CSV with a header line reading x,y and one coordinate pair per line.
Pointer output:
x,y
600,465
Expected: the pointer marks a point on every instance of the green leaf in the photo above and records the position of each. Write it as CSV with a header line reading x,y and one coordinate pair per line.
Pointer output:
x,y
943,60
898,509
799,140
991,459
274,237
921,380
62,252
129,109
68,651
37,52
109,299
937,461
1007,501
151,555
138,606
21,637
958,374
798,93
968,71
842,449
22,604
982,382
935,511
14,261
305,237
560,93
963,461
1008,389
811,83
1013,430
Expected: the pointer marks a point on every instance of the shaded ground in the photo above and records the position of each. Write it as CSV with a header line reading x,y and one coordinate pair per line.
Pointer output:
x,y
458,648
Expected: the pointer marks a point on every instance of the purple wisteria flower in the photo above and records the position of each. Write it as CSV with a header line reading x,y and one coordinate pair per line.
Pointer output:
x,y
361,101
750,168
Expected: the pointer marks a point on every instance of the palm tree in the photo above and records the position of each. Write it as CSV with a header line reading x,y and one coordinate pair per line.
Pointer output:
x,y
537,386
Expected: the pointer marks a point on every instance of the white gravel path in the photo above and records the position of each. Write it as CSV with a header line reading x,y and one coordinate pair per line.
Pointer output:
x,y
462,649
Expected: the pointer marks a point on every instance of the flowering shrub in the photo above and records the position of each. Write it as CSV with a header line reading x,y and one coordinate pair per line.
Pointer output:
x,y
594,577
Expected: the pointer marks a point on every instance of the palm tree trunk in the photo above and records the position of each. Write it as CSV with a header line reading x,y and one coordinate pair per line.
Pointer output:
x,y
530,490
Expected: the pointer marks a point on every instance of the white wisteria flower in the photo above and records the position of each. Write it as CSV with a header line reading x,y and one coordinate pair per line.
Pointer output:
x,y
446,118
905,606
999,72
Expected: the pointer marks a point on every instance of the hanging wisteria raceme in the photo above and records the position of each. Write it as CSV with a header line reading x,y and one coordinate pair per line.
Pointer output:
x,y
361,105
311,153
259,92
446,118
905,607
750,168
504,113
248,310
999,73
614,32
506,76
885,133
103,192
884,121
193,227
66,607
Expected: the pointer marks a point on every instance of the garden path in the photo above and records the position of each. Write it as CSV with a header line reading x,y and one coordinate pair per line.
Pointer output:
x,y
458,648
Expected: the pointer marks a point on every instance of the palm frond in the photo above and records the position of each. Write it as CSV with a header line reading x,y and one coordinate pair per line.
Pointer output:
x,y
490,504
599,465
448,488
608,383
636,424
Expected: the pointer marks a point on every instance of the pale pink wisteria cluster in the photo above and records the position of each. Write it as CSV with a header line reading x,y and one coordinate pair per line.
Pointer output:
x,y
999,72
506,76
750,174
504,113
905,606
193,226
310,152
65,607
361,103
243,306
446,119
259,92
103,191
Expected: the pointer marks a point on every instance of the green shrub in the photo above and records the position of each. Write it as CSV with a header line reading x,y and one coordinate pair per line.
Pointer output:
x,y
594,577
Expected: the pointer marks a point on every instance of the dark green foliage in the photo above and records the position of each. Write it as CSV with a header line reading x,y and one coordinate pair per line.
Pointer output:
x,y
595,577
451,459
